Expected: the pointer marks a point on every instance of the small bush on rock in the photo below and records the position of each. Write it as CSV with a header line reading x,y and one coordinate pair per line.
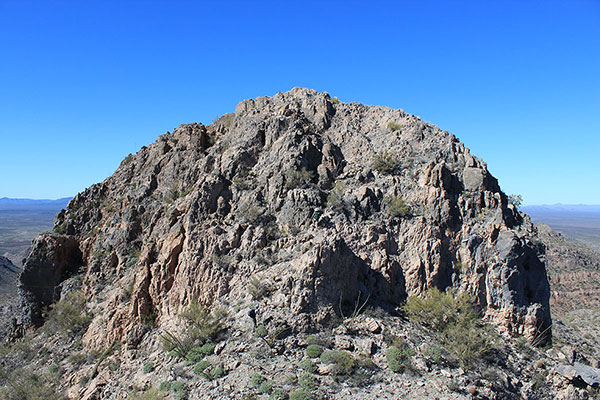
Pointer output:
x,y
266,387
204,324
256,379
307,365
24,385
148,367
249,213
261,331
458,325
194,355
342,360
308,382
398,358
207,348
437,309
279,394
515,199
296,178
257,287
396,207
69,315
300,394
216,373
314,351
394,126
201,367
176,346
385,162
150,394
335,198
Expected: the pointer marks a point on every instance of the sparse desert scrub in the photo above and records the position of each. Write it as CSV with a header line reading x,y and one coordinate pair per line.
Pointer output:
x,y
458,326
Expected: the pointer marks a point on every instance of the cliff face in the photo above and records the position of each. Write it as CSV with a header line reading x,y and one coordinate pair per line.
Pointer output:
x,y
309,201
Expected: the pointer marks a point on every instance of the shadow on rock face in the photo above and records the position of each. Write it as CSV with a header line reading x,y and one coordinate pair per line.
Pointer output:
x,y
52,259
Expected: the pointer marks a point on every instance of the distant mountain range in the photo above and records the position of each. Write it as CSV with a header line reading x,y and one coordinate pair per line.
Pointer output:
x,y
563,208
24,204
577,221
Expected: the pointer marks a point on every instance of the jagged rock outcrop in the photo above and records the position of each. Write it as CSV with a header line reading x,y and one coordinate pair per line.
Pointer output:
x,y
317,202
53,258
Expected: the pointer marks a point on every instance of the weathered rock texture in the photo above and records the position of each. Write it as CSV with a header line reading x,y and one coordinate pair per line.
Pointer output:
x,y
282,198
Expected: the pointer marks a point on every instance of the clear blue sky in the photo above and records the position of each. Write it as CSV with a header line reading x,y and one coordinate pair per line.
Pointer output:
x,y
84,83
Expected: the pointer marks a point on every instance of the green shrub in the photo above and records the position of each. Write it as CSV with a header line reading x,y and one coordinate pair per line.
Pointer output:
x,y
148,319
300,394
62,228
194,355
515,199
149,394
307,365
385,162
398,358
148,367
249,213
342,360
203,323
394,126
335,198
396,207
69,315
437,310
178,387
241,183
295,178
435,354
22,384
165,386
261,331
256,379
308,382
134,256
257,287
279,394
461,332
468,341
314,351
201,367
173,193
216,373
266,387
176,346
207,348
198,353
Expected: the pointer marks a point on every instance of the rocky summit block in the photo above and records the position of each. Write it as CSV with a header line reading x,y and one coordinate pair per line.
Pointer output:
x,y
301,203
